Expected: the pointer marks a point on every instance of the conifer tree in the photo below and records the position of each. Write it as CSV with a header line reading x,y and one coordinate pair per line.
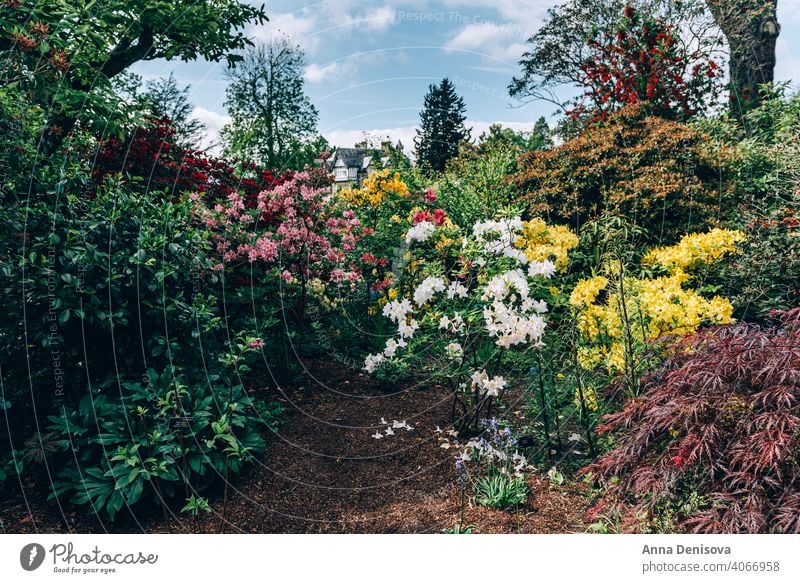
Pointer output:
x,y
442,128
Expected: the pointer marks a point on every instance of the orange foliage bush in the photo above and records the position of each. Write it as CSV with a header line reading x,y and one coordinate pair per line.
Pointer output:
x,y
662,175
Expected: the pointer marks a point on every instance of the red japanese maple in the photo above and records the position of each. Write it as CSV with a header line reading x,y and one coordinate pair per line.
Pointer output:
x,y
722,420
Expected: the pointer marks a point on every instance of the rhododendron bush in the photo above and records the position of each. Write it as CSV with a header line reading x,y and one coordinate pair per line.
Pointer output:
x,y
152,155
464,307
387,208
662,175
296,233
644,61
718,425
619,315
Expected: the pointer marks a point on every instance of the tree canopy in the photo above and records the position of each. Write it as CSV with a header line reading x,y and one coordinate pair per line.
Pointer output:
x,y
62,54
272,119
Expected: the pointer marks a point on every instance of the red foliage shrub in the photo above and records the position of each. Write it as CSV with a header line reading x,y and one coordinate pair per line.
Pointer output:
x,y
150,153
722,419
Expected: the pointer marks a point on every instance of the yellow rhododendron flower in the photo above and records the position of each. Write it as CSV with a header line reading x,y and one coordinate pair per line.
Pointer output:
x,y
587,290
541,242
589,397
375,189
636,311
444,243
695,250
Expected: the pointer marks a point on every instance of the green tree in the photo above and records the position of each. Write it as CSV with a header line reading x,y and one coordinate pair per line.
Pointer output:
x,y
60,55
442,128
498,137
163,98
271,116
478,183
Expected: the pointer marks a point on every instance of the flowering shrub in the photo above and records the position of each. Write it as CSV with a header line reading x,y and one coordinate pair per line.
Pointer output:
x,y
720,422
375,189
468,307
644,60
542,242
297,229
695,250
661,175
634,311
151,154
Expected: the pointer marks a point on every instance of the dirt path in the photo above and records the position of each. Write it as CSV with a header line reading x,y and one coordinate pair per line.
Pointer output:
x,y
323,471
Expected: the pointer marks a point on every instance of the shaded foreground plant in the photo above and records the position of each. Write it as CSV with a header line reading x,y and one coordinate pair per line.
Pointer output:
x,y
500,490
720,420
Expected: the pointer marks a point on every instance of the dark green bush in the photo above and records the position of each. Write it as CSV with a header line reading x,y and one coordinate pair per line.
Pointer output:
x,y
120,350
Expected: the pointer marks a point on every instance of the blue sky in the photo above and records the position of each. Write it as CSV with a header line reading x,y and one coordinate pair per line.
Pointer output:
x,y
371,62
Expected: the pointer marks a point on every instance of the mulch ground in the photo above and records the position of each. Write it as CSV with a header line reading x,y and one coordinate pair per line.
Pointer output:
x,y
324,472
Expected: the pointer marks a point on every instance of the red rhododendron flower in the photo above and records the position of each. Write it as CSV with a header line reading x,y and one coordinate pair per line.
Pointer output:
x,y
421,216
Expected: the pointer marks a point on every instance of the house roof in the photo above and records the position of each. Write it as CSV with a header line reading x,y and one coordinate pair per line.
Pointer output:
x,y
351,156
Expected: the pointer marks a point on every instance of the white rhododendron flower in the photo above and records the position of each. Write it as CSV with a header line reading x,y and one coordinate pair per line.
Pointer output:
x,y
501,285
512,327
494,385
372,362
497,236
407,329
490,386
543,268
422,231
454,351
517,254
454,324
391,347
530,305
397,310
455,289
425,291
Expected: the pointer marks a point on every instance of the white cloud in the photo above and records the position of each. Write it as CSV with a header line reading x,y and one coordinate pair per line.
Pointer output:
x,y
316,73
301,29
214,122
349,138
376,19
497,41
310,28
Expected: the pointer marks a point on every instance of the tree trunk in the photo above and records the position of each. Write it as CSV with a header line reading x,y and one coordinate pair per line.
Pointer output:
x,y
752,29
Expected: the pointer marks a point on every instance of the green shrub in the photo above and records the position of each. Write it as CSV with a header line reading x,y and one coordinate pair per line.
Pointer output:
x,y
766,276
121,351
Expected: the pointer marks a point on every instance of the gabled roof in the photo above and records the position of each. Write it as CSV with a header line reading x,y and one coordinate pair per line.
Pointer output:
x,y
352,157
